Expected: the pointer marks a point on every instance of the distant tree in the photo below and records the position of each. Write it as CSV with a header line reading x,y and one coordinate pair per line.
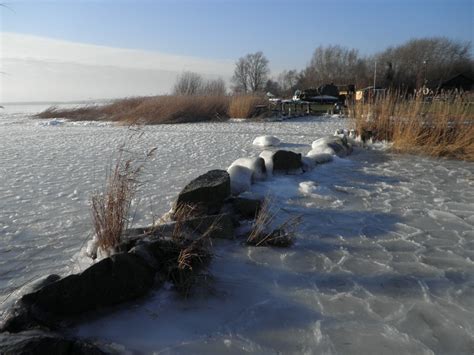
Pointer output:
x,y
426,61
334,64
251,73
216,87
272,87
288,81
188,83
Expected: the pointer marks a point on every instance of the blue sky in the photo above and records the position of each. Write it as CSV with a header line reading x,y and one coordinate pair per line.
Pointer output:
x,y
286,31
74,50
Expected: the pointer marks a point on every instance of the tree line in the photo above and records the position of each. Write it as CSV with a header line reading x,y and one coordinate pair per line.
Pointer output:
x,y
411,65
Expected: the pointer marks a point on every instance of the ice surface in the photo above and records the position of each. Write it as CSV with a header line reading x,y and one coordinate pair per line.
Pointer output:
x,y
383,260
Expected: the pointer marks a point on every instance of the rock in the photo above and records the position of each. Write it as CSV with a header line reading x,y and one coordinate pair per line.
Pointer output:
x,y
334,145
240,179
247,207
217,226
119,278
267,156
41,342
206,193
266,141
287,161
256,165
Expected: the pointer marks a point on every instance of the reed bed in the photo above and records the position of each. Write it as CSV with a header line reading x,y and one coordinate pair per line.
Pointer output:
x,y
163,109
438,128
246,106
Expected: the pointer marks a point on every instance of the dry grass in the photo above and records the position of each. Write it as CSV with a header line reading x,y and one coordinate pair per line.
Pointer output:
x,y
192,257
246,106
149,110
262,233
441,128
110,209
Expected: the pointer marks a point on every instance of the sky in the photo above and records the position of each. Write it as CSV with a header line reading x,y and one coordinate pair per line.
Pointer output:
x,y
74,50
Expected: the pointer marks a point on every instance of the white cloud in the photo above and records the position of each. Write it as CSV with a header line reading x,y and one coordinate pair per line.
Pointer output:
x,y
44,69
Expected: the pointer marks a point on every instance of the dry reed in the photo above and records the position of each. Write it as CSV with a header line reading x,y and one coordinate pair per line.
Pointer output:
x,y
262,233
110,209
148,110
246,106
440,128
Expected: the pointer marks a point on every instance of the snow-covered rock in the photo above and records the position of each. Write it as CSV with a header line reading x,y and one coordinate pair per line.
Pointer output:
x,y
240,179
267,156
334,145
283,161
256,165
266,141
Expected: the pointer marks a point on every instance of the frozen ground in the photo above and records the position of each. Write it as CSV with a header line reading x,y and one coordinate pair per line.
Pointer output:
x,y
383,263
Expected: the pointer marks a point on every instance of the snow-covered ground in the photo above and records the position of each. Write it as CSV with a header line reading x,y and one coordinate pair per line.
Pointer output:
x,y
383,262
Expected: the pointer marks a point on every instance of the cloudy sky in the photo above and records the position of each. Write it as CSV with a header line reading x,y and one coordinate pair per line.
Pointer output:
x,y
64,50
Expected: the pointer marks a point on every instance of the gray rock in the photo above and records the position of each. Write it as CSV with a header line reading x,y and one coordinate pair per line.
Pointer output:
x,y
41,342
246,207
122,277
206,193
286,161
216,226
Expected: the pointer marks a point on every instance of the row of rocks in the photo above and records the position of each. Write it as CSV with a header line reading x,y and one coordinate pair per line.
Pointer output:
x,y
246,171
148,256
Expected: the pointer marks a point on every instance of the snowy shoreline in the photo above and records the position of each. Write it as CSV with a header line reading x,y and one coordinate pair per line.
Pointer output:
x,y
373,219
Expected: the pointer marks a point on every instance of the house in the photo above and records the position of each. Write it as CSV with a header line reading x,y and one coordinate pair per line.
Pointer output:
x,y
461,81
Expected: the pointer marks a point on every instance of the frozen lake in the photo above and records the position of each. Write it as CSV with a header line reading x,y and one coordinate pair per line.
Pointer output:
x,y
383,262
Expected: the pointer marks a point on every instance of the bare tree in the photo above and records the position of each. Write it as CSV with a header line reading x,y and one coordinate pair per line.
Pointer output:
x,y
216,87
251,73
188,83
425,61
288,81
334,64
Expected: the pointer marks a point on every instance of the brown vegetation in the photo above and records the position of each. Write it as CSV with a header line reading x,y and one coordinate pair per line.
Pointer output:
x,y
440,128
262,233
110,208
246,106
162,109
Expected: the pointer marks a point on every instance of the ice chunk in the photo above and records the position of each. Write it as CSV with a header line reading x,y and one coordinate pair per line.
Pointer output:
x,y
266,141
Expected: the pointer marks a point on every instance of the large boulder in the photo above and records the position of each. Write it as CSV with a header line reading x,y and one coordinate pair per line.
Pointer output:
x,y
119,278
256,165
246,207
219,226
287,161
41,342
205,194
334,145
240,179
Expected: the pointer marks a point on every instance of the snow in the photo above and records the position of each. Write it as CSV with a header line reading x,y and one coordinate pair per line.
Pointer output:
x,y
258,173
383,259
266,141
240,178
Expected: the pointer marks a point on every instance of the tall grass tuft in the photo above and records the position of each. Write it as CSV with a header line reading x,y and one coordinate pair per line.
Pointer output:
x,y
262,233
246,106
440,128
110,209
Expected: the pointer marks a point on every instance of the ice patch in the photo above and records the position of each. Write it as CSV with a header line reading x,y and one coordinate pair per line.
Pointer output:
x,y
53,122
